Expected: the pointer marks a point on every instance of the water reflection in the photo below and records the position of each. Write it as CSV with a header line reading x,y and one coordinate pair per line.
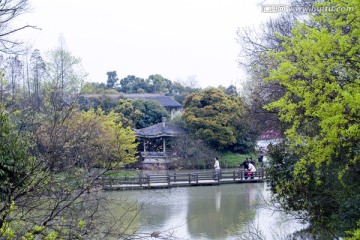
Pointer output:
x,y
212,212
218,201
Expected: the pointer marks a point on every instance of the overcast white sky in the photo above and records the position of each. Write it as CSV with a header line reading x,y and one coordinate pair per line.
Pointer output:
x,y
173,38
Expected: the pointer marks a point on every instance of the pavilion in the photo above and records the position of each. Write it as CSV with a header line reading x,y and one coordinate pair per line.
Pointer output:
x,y
160,157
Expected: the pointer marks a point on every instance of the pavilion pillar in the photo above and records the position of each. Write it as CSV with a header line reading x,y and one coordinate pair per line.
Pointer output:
x,y
144,145
164,148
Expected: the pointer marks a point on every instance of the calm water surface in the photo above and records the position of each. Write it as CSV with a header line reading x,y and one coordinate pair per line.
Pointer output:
x,y
208,212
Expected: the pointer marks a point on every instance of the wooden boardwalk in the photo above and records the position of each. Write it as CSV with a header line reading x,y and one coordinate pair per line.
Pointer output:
x,y
156,181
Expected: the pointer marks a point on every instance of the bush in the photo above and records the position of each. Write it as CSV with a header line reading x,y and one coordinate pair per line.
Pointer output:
x,y
233,160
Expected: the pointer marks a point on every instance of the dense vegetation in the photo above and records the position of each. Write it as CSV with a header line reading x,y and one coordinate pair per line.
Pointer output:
x,y
304,83
309,73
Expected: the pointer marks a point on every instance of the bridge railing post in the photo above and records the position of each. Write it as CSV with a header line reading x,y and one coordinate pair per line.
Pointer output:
x,y
174,177
234,175
148,180
140,179
197,177
189,177
168,179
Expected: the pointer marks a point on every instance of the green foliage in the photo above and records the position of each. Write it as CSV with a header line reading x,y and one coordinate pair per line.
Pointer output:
x,y
121,173
318,166
128,114
93,87
355,234
194,153
155,84
152,112
112,79
50,190
14,160
48,151
65,72
95,129
107,104
218,119
233,160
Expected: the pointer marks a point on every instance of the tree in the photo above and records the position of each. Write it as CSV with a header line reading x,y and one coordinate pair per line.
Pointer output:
x,y
128,114
319,68
14,159
47,172
112,79
13,73
65,72
133,84
152,112
254,59
10,10
36,79
231,90
193,153
44,193
159,84
216,118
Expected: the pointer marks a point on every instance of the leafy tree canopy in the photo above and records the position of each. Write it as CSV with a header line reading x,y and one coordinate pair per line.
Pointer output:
x,y
152,112
215,117
319,68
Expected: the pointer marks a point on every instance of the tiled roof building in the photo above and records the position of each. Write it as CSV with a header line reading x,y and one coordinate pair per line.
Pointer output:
x,y
170,104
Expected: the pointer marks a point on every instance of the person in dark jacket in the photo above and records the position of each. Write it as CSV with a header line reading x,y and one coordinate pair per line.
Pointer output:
x,y
246,166
252,161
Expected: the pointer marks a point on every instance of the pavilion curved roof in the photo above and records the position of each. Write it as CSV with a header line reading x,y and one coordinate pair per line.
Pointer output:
x,y
163,129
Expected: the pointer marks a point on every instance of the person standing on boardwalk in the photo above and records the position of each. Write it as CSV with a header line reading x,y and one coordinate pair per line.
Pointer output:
x,y
246,166
217,167
252,161
251,170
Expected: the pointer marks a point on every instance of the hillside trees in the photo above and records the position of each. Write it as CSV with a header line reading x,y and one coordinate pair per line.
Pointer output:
x,y
155,84
49,154
47,170
319,68
219,119
48,150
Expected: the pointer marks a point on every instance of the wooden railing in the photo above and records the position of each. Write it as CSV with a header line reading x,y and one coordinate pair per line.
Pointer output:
x,y
177,179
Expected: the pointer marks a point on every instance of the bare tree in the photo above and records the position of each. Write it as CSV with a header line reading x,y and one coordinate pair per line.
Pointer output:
x,y
64,72
254,59
9,11
37,74
13,70
256,44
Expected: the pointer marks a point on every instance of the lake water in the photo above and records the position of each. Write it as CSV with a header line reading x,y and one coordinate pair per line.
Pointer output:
x,y
208,212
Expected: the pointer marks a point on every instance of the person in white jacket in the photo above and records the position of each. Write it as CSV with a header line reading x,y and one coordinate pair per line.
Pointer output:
x,y
251,169
217,167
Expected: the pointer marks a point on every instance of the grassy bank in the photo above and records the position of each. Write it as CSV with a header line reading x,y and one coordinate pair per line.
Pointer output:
x,y
233,160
